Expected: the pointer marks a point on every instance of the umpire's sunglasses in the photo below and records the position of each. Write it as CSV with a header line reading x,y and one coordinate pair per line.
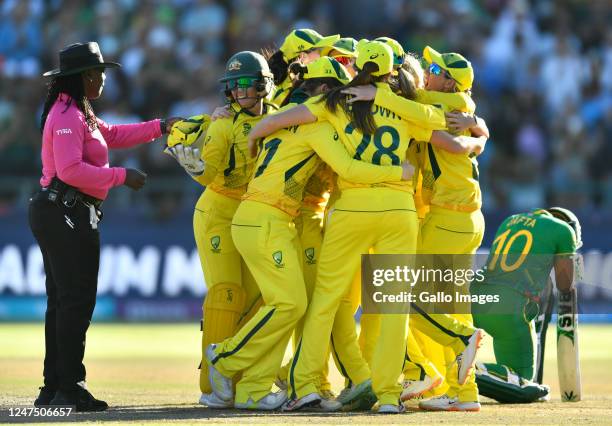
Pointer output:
x,y
242,82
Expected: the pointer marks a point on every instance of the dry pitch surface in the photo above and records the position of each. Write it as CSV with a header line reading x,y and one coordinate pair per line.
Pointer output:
x,y
148,373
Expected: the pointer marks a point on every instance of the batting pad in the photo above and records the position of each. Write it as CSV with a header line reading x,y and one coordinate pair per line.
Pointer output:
x,y
222,309
503,385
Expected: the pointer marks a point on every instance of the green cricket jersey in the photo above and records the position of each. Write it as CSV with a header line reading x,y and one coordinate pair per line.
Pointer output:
x,y
524,249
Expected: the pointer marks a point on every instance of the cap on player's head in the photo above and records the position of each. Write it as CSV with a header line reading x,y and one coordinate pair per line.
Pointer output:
x,y
302,40
398,51
459,68
571,219
345,46
326,67
376,52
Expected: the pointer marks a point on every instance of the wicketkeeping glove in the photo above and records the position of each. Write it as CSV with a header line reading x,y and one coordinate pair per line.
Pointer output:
x,y
188,158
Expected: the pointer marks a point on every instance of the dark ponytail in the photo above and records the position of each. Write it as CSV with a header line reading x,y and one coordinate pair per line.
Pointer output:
x,y
278,65
297,70
72,85
360,113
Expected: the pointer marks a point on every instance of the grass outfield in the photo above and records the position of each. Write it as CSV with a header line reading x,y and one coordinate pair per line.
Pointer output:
x,y
148,373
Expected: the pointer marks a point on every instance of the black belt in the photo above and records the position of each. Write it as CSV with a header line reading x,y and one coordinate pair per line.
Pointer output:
x,y
59,191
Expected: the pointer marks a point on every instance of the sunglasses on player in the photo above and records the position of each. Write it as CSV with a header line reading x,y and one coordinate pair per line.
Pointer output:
x,y
242,83
436,69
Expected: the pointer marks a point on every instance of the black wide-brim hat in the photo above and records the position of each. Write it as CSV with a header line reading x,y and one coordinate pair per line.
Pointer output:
x,y
80,57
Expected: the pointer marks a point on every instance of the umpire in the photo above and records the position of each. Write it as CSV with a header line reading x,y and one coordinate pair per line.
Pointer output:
x,y
65,213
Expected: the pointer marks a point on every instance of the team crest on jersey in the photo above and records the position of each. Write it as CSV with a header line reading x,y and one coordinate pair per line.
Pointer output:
x,y
215,242
310,255
246,128
229,296
278,259
234,65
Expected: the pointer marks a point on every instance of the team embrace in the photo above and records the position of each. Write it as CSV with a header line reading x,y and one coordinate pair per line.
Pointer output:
x,y
332,148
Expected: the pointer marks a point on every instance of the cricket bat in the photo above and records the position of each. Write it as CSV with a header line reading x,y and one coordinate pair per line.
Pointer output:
x,y
568,362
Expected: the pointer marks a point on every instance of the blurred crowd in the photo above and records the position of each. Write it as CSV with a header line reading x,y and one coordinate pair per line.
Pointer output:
x,y
540,68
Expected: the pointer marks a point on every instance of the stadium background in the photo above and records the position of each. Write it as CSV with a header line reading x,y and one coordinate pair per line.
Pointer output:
x,y
542,83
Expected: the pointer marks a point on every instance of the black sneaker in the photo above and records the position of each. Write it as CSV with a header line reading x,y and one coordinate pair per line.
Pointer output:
x,y
44,397
81,399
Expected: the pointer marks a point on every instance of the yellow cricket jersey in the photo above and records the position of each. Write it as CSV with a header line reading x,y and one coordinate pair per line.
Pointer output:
x,y
281,91
320,183
228,165
290,156
387,146
450,180
446,180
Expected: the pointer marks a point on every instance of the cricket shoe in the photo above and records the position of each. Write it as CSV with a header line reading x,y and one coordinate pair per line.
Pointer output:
x,y
44,397
391,409
221,385
445,403
310,400
415,388
467,358
364,402
328,401
349,394
272,401
211,400
80,398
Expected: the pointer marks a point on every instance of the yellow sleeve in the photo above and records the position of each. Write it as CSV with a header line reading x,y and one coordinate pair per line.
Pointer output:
x,y
316,105
215,149
420,133
459,101
328,146
426,116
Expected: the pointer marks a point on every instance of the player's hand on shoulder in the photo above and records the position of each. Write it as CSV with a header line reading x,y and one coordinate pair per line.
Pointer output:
x,y
457,121
221,112
135,179
360,93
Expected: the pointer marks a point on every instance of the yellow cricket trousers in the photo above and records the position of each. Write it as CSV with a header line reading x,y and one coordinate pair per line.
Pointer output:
x,y
445,231
268,242
231,287
350,232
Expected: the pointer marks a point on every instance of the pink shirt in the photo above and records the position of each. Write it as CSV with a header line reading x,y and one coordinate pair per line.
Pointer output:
x,y
78,156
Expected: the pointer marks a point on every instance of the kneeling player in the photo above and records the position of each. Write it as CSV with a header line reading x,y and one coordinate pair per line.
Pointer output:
x,y
526,247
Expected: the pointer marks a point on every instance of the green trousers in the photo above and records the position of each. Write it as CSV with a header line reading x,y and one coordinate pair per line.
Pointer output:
x,y
511,326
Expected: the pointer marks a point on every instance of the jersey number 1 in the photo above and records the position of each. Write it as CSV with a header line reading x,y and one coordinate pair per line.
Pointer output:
x,y
271,146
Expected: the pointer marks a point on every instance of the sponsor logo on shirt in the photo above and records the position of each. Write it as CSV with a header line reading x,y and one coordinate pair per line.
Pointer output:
x,y
63,132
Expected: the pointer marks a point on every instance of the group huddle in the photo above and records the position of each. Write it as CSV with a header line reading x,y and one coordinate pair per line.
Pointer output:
x,y
329,149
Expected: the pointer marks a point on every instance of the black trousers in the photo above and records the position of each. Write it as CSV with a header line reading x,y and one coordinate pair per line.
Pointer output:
x,y
71,256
